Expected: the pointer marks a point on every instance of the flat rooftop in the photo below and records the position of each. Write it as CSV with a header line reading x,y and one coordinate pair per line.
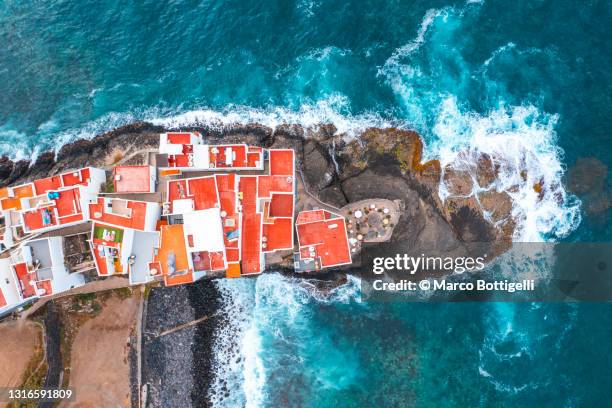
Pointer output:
x,y
132,179
322,236
119,212
63,208
172,255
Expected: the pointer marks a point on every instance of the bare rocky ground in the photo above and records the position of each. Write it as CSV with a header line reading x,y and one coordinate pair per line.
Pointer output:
x,y
177,366
167,360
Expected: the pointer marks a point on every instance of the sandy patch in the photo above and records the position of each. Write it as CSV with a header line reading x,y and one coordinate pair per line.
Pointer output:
x,y
18,342
100,372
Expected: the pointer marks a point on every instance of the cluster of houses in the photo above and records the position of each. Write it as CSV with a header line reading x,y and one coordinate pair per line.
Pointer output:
x,y
201,210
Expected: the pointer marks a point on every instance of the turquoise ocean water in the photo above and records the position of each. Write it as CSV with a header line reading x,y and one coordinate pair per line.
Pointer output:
x,y
472,73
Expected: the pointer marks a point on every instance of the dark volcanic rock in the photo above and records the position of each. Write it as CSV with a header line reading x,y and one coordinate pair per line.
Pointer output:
x,y
468,220
317,166
333,195
6,167
44,163
20,169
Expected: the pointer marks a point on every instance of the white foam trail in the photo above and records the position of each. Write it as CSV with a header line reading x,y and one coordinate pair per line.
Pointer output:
x,y
416,43
333,110
254,371
235,345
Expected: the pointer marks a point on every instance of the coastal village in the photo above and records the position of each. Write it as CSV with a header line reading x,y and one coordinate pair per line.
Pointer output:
x,y
200,211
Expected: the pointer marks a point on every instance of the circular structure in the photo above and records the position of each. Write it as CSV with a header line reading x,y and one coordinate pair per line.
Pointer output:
x,y
359,237
358,214
374,220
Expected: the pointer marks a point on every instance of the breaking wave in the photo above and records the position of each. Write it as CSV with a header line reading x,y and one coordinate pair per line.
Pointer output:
x,y
522,142
254,309
333,110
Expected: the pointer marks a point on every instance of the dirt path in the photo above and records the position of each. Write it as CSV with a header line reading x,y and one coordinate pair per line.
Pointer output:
x,y
18,342
113,282
100,371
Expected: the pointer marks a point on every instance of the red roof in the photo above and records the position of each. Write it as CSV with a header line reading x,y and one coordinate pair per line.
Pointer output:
x,y
179,138
126,213
69,179
281,162
29,283
202,190
281,205
2,299
278,235
63,210
251,226
324,235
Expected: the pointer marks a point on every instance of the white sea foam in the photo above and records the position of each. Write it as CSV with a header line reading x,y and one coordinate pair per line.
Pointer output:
x,y
255,308
332,110
335,110
235,345
416,43
522,141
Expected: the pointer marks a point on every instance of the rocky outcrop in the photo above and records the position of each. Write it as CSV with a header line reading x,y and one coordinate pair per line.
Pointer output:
x,y
380,163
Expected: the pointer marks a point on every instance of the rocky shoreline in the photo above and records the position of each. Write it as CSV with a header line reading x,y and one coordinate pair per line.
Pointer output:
x,y
337,170
381,163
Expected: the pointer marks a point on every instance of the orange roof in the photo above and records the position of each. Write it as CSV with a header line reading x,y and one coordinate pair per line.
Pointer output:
x,y
19,192
233,270
132,179
172,241
328,238
170,172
